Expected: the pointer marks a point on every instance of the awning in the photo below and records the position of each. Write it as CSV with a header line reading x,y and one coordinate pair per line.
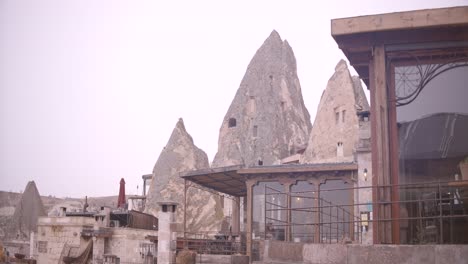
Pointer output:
x,y
224,179
231,180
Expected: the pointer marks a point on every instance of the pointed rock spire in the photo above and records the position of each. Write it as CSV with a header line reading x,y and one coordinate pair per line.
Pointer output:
x,y
336,127
181,155
27,211
267,119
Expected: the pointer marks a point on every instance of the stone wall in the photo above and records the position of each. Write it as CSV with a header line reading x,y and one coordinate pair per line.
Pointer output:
x,y
127,244
357,254
363,195
55,232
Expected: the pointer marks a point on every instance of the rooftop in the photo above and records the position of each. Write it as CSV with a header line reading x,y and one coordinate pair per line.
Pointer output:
x,y
411,30
232,180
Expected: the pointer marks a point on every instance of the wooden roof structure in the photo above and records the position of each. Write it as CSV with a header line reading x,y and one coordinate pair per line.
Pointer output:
x,y
376,45
356,36
232,179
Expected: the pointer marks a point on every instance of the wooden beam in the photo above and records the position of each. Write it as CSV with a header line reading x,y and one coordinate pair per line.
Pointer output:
x,y
364,41
299,169
401,20
249,184
360,58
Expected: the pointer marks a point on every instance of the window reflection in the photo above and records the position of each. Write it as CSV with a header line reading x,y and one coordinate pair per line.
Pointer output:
x,y
303,212
269,203
336,211
432,127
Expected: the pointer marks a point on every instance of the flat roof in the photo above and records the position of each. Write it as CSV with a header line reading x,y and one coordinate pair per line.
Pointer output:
x,y
410,30
147,176
401,20
224,179
231,180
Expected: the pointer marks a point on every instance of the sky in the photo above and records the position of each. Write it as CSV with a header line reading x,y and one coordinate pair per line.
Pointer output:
x,y
90,91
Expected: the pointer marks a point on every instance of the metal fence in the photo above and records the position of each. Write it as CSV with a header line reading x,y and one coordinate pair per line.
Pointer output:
x,y
427,213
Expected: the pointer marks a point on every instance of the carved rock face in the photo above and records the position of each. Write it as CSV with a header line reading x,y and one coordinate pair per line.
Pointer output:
x,y
181,155
336,128
267,119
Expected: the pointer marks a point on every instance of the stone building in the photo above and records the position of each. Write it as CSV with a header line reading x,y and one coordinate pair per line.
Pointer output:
x,y
287,195
96,237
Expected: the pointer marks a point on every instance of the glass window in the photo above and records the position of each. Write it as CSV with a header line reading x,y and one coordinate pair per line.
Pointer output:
x,y
303,212
269,210
336,211
432,131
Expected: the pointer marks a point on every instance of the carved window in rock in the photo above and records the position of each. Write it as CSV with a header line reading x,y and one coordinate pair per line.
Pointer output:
x,y
232,122
339,149
343,113
255,131
337,117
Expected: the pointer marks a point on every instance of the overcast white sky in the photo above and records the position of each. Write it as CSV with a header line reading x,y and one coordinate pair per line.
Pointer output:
x,y
91,90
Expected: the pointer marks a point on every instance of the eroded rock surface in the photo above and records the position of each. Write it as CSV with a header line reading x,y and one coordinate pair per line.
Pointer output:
x,y
336,128
267,119
27,211
181,155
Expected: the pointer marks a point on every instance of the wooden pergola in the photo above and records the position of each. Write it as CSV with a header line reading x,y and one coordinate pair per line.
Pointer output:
x,y
374,46
238,181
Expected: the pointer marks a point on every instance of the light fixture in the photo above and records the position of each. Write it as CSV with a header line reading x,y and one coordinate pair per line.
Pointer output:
x,y
365,174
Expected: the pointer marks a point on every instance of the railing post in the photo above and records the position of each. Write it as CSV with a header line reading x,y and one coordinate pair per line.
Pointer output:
x,y
265,212
441,227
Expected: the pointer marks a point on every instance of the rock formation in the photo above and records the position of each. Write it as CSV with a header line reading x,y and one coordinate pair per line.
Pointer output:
x,y
28,210
336,128
180,155
267,119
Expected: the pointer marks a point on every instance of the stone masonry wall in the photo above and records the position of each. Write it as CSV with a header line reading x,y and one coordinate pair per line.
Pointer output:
x,y
55,232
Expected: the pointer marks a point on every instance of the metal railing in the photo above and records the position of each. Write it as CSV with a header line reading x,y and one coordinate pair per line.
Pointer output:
x,y
425,212
214,243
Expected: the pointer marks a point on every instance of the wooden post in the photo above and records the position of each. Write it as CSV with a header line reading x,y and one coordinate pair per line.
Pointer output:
x,y
287,233
249,185
316,199
394,171
380,146
236,215
185,211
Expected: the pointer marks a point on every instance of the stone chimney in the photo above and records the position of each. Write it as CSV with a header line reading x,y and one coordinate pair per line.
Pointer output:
x,y
166,232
